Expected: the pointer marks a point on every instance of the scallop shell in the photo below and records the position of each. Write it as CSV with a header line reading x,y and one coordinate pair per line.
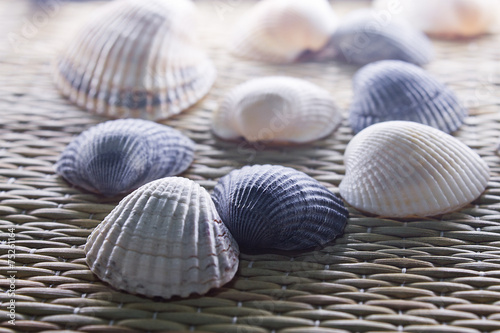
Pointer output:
x,y
401,169
395,90
278,31
365,36
164,239
276,109
274,207
120,155
136,58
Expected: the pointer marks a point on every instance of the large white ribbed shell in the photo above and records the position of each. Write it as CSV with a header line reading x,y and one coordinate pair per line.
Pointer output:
x,y
164,239
279,31
276,109
400,169
136,58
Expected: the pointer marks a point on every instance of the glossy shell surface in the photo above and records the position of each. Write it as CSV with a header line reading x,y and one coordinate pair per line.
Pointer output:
x,y
404,169
118,156
275,207
164,239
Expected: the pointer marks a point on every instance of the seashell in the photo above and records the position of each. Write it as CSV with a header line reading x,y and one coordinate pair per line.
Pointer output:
x,y
395,90
278,31
164,239
118,156
276,109
402,169
275,207
446,18
364,36
136,58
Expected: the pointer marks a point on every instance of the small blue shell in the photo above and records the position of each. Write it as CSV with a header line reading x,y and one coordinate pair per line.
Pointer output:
x,y
118,156
274,207
395,90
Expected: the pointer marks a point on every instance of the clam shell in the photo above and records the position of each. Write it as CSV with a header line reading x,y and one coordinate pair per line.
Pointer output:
x,y
276,109
164,239
401,169
136,58
395,90
118,156
275,207
278,31
364,36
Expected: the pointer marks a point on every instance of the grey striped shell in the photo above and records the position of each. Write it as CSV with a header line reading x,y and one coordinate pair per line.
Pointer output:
x,y
118,156
402,169
363,37
164,239
395,90
136,58
275,207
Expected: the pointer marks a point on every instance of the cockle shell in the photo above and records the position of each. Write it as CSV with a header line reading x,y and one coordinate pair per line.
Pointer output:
x,y
278,31
164,239
118,156
364,36
402,169
275,207
396,90
276,109
136,58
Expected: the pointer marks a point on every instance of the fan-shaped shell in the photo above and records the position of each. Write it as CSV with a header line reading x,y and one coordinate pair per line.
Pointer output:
x,y
267,206
276,109
365,36
401,169
164,239
279,31
120,155
395,90
136,58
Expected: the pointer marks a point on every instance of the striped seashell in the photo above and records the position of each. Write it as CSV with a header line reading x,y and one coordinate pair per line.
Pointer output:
x,y
118,156
403,169
136,59
164,239
275,207
277,110
278,31
395,90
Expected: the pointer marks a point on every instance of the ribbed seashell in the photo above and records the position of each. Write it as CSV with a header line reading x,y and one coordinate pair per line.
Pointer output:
x,y
395,90
275,207
136,59
276,109
364,36
403,169
118,156
164,239
446,18
278,31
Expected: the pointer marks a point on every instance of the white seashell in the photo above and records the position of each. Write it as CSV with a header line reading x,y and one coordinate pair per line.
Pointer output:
x,y
401,169
279,31
136,58
276,109
163,239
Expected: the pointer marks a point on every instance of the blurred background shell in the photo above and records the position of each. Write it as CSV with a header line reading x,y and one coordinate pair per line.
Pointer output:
x,y
275,207
276,109
278,31
404,169
136,58
164,239
118,156
395,90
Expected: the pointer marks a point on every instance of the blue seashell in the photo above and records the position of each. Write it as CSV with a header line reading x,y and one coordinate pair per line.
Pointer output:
x,y
275,207
395,90
118,156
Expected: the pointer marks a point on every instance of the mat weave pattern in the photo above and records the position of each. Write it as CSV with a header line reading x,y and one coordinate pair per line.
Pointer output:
x,y
420,275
